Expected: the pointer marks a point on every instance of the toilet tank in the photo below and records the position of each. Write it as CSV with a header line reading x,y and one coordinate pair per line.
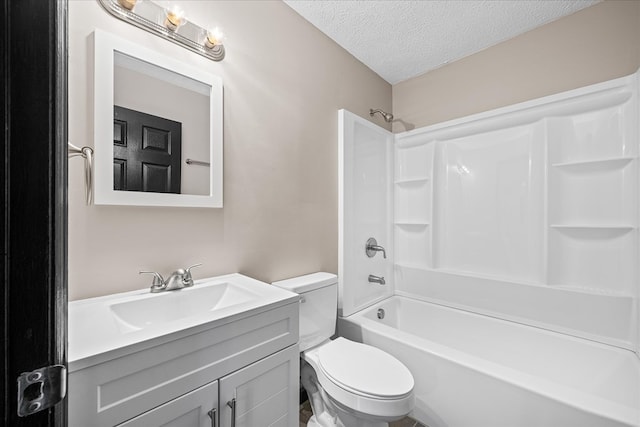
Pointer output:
x,y
318,306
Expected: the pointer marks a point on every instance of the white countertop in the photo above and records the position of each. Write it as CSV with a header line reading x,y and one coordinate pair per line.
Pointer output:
x,y
97,332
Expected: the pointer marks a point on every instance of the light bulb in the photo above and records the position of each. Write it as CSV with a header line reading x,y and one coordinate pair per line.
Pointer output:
x,y
175,18
127,4
214,37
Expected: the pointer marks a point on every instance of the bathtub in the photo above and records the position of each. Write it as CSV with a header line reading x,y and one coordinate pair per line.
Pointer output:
x,y
476,371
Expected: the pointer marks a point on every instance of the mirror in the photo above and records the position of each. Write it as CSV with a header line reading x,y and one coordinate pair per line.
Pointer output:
x,y
157,128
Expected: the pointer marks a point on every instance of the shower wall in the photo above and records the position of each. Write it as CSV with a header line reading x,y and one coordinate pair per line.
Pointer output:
x,y
528,213
365,171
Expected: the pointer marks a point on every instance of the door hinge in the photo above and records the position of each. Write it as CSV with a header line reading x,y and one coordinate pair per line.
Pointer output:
x,y
41,389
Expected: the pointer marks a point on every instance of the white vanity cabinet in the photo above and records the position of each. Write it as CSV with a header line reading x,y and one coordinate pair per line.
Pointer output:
x,y
175,379
264,393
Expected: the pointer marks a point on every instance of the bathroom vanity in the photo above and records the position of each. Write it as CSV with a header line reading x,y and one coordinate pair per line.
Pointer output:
x,y
222,353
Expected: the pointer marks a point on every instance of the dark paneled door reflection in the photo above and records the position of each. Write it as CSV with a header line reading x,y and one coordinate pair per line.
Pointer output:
x,y
147,152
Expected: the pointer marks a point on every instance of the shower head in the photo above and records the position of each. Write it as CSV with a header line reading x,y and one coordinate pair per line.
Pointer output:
x,y
386,116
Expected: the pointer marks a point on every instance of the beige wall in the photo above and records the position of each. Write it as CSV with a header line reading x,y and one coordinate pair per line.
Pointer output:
x,y
596,44
284,82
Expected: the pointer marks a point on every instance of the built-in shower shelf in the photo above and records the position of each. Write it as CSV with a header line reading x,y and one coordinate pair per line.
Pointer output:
x,y
595,165
416,180
411,223
592,227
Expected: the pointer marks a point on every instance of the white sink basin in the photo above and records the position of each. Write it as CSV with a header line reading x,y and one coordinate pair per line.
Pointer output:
x,y
169,306
107,327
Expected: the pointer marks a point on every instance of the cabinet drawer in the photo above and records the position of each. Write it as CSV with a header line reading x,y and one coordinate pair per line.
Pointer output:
x,y
190,410
118,390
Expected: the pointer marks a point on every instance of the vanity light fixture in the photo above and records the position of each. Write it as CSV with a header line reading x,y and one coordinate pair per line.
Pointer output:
x,y
170,24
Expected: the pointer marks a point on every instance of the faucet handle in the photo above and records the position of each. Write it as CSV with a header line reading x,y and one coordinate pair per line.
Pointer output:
x,y
188,280
158,281
372,247
193,266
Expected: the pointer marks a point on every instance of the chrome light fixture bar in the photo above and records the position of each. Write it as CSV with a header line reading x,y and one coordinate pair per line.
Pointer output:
x,y
168,24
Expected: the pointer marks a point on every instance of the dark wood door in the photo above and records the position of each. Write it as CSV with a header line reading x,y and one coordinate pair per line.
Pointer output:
x,y
33,191
147,152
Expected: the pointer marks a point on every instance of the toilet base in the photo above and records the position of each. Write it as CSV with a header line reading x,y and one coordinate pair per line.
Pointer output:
x,y
312,422
329,413
341,423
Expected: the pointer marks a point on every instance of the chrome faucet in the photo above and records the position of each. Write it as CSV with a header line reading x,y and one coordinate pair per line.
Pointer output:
x,y
179,279
377,279
372,247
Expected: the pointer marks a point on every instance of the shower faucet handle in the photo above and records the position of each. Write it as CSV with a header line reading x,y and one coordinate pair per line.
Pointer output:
x,y
372,247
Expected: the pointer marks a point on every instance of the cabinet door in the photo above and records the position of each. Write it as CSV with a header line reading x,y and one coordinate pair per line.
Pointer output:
x,y
189,410
265,393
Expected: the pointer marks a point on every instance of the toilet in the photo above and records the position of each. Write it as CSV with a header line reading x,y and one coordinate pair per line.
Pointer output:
x,y
349,384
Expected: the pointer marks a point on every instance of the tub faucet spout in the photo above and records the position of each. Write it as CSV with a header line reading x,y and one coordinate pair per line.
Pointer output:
x,y
377,279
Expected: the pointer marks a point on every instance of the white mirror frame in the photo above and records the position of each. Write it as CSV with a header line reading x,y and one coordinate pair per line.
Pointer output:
x,y
105,46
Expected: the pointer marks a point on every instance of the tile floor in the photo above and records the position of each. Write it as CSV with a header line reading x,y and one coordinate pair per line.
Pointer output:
x,y
305,414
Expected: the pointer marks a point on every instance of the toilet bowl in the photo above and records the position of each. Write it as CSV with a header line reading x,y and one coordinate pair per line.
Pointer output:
x,y
349,384
358,380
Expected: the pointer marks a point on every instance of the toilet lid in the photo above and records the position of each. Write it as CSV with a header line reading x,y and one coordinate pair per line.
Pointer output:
x,y
364,369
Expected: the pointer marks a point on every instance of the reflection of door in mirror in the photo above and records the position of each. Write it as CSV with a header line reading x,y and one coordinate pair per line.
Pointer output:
x,y
146,152
156,91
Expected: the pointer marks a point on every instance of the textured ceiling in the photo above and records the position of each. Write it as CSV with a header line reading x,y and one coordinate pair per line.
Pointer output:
x,y
402,39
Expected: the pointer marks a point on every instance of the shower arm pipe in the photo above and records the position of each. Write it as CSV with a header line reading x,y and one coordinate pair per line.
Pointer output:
x,y
388,117
87,154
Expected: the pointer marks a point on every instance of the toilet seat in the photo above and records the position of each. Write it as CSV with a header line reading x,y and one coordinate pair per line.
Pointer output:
x,y
367,371
362,389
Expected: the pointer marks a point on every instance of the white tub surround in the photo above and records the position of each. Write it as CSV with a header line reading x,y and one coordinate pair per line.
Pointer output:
x,y
527,213
534,204
472,370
